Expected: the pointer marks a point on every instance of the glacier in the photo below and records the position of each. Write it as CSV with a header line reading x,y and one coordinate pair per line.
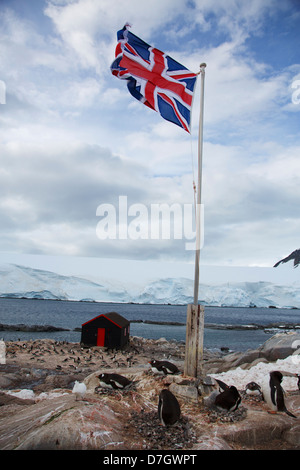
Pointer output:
x,y
18,281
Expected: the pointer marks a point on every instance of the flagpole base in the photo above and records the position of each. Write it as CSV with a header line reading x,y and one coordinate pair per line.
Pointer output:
x,y
193,362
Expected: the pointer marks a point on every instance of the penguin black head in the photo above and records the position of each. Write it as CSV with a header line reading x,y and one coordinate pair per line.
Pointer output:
x,y
253,386
102,376
276,376
234,391
155,365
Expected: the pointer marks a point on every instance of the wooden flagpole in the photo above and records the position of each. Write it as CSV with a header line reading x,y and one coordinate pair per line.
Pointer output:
x,y
195,312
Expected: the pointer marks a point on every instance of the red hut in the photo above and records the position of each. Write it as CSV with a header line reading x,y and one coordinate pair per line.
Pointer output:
x,y
110,330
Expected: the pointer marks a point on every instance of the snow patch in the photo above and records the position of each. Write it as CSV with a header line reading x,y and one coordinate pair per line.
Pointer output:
x,y
241,377
25,394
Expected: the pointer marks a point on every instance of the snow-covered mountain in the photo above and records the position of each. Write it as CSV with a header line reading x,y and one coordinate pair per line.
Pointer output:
x,y
21,281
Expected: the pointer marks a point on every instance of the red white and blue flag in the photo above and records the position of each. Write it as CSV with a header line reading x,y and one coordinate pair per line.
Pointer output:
x,y
154,78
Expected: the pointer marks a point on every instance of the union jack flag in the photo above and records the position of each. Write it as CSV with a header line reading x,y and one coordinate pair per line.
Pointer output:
x,y
154,78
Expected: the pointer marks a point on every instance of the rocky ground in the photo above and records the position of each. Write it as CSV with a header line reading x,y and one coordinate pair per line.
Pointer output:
x,y
50,417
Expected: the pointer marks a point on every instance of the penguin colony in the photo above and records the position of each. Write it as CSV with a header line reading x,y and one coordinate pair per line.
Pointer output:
x,y
225,400
70,355
168,406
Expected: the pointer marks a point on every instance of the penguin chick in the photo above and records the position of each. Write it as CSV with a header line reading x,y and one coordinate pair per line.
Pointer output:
x,y
273,393
79,389
168,408
113,381
252,388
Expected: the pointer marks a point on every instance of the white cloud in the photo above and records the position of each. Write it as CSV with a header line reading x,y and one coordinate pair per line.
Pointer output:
x,y
82,93
72,137
235,17
250,206
81,25
236,88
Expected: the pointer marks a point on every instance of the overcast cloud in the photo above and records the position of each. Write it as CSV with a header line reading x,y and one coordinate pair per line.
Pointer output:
x,y
72,138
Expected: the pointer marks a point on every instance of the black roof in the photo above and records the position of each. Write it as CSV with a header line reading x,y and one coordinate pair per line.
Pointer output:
x,y
113,317
117,318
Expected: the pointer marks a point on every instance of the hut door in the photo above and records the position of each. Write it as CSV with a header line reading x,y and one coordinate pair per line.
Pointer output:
x,y
100,336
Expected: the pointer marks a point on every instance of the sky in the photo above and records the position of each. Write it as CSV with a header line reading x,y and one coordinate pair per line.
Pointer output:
x,y
73,140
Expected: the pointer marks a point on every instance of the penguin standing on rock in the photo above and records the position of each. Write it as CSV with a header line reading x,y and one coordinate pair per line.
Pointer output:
x,y
113,381
163,367
168,408
273,393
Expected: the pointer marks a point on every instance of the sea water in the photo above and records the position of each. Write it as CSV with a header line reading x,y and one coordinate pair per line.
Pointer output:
x,y
218,332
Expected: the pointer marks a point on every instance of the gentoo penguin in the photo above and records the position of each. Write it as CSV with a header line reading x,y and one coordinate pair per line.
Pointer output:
x,y
252,388
273,393
163,367
113,381
79,389
168,408
229,399
219,387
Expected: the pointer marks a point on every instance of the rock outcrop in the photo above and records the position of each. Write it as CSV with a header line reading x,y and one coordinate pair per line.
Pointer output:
x,y
278,346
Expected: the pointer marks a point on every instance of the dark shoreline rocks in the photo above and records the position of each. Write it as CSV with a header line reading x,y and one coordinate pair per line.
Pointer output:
x,y
254,326
37,328
151,322
213,326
